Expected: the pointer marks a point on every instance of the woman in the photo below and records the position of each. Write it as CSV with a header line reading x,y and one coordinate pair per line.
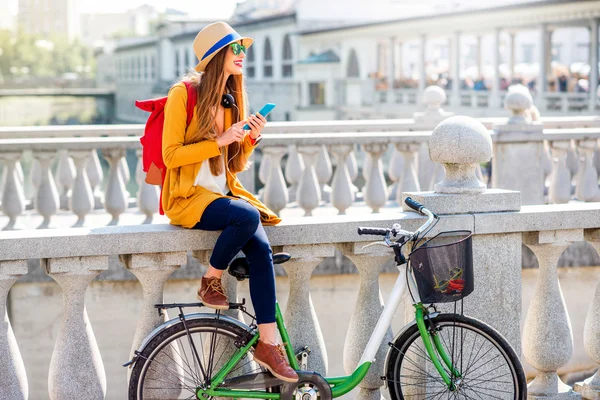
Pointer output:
x,y
201,189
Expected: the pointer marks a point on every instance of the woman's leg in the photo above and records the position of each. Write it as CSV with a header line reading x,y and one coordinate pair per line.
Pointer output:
x,y
238,220
262,291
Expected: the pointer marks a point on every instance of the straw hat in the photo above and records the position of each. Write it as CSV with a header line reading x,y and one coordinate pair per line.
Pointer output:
x,y
213,38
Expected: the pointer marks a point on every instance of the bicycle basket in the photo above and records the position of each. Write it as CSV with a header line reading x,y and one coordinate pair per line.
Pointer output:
x,y
443,267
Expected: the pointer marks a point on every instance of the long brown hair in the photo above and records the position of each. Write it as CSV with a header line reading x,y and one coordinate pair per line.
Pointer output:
x,y
208,88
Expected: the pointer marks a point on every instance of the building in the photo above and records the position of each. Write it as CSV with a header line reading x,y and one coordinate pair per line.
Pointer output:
x,y
316,68
50,17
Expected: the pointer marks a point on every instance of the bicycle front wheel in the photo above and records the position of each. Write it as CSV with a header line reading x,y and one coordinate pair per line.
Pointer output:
x,y
487,366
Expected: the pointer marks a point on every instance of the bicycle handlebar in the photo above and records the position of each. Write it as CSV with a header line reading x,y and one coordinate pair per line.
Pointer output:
x,y
373,231
415,205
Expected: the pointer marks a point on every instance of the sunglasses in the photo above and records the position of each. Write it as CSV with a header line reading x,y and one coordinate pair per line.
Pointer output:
x,y
237,48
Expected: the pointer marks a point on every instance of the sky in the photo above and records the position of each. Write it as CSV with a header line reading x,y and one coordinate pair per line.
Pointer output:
x,y
209,9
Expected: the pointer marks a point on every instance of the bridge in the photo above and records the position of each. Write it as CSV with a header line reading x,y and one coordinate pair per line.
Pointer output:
x,y
541,193
73,92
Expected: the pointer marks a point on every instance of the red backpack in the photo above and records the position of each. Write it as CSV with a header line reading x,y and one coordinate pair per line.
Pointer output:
x,y
152,159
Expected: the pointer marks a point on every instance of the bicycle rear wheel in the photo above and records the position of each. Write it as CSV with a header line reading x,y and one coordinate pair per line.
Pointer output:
x,y
488,365
174,364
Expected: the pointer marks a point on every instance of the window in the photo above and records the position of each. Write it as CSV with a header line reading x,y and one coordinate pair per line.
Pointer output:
x,y
250,69
145,75
556,52
582,52
528,53
287,69
316,91
139,68
177,63
352,70
186,64
268,60
153,67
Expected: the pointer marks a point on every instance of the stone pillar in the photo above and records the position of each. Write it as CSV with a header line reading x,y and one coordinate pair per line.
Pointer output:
x,y
13,378
409,181
64,177
590,388
479,57
519,142
46,197
594,64
263,172
391,66
400,60
456,70
293,171
309,193
375,191
148,197
82,198
95,175
512,55
342,196
559,191
13,198
352,170
76,368
422,64
542,77
116,198
275,193
368,308
324,172
495,93
587,179
548,318
460,144
300,316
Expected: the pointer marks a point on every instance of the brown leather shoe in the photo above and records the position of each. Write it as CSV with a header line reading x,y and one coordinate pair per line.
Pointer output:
x,y
211,293
274,358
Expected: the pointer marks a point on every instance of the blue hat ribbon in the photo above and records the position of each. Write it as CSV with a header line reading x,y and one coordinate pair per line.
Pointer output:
x,y
226,39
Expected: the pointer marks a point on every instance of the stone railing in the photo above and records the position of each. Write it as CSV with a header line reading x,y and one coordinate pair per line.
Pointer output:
x,y
546,165
500,225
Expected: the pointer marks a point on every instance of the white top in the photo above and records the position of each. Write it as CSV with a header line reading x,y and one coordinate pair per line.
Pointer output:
x,y
206,179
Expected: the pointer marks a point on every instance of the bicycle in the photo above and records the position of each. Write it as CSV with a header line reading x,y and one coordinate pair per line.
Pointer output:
x,y
437,356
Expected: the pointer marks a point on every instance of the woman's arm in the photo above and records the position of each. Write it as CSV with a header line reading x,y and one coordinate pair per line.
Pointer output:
x,y
175,153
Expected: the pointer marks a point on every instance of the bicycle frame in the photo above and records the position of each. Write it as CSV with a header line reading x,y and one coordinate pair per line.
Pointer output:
x,y
344,384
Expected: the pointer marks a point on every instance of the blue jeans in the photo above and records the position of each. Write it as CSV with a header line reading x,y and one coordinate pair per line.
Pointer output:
x,y
242,230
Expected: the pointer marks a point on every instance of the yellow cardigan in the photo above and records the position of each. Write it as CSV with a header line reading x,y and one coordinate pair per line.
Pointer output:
x,y
183,202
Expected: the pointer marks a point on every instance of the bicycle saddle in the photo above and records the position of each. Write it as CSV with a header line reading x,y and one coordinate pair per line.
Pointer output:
x,y
240,270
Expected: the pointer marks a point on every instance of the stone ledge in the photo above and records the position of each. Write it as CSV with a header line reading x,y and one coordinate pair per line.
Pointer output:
x,y
492,200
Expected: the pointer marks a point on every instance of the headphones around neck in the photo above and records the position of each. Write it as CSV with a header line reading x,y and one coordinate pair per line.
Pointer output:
x,y
227,101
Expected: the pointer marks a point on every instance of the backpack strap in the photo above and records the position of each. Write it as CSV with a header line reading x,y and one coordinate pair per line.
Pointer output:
x,y
191,101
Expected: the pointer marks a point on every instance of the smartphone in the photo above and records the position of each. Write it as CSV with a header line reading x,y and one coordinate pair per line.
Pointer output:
x,y
267,108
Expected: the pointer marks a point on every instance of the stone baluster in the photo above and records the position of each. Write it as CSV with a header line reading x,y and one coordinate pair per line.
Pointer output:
x,y
559,191
152,271
375,191
76,367
586,188
369,305
352,170
597,160
590,388
263,172
573,161
13,198
13,378
324,172
81,201
547,316
116,198
395,173
341,186
275,193
64,178
309,192
124,168
95,175
35,175
294,166
148,197
300,316
409,180
46,197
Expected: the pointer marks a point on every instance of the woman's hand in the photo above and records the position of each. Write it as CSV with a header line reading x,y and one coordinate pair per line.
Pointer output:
x,y
234,134
257,123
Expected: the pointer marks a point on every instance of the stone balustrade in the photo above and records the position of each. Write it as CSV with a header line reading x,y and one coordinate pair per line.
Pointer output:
x,y
73,257
554,166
